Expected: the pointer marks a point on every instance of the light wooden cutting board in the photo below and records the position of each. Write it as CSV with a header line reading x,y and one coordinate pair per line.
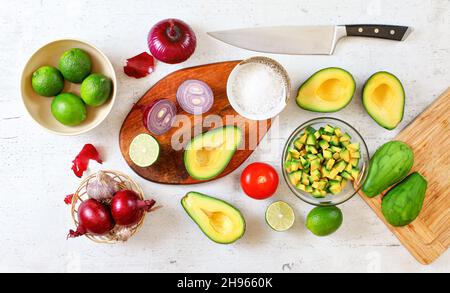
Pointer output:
x,y
429,136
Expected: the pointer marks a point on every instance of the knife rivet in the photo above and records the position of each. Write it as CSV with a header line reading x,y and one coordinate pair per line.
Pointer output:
x,y
360,30
376,31
392,32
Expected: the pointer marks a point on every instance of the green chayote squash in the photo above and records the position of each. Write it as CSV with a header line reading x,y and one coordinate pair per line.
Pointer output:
x,y
403,203
390,164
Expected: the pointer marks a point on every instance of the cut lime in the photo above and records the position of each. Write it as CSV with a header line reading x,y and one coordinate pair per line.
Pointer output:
x,y
280,216
144,150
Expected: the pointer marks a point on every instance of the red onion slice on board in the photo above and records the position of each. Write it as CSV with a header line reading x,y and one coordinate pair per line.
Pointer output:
x,y
195,97
160,116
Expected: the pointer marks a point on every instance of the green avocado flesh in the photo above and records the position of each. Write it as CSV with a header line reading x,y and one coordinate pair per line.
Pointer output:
x,y
390,164
208,154
327,90
384,99
219,221
403,203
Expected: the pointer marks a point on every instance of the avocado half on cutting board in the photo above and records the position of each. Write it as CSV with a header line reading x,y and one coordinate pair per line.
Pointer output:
x,y
220,221
208,154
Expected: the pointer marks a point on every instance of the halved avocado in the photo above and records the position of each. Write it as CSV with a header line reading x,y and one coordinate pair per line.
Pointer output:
x,y
328,90
208,154
383,98
220,221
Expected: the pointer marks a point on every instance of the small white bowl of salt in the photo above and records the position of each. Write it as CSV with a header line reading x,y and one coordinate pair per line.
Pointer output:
x,y
258,88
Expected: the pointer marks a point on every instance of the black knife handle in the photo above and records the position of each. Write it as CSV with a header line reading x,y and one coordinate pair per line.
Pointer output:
x,y
389,32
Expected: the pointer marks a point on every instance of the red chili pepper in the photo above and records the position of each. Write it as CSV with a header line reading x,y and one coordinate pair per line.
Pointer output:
x,y
68,199
139,66
81,162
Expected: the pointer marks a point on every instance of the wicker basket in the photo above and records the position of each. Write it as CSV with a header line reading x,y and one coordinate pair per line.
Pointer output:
x,y
80,196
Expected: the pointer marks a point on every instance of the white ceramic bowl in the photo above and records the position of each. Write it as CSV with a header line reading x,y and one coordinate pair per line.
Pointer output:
x,y
39,107
279,69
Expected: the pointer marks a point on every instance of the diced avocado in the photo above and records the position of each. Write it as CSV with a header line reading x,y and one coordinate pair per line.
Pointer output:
x,y
304,162
310,130
208,154
383,98
345,155
295,177
354,146
336,149
333,173
327,154
322,185
335,187
305,179
308,189
324,144
298,145
292,166
320,156
355,173
315,164
334,141
325,172
315,174
329,129
340,166
311,140
303,138
344,143
355,154
302,187
315,185
311,157
303,152
346,175
345,138
219,220
294,153
311,149
354,162
325,137
349,167
317,134
343,184
330,164
336,156
338,178
317,193
338,132
322,130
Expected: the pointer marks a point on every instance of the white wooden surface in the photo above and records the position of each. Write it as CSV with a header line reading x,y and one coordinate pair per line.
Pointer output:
x,y
35,165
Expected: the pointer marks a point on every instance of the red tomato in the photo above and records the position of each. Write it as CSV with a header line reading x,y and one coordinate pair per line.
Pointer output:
x,y
259,180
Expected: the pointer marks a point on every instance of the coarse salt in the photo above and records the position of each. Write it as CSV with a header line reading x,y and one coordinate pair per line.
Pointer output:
x,y
257,88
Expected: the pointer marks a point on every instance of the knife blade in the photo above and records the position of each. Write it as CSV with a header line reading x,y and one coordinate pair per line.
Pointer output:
x,y
305,40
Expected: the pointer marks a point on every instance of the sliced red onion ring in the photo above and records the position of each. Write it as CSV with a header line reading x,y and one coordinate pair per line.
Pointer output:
x,y
160,116
195,97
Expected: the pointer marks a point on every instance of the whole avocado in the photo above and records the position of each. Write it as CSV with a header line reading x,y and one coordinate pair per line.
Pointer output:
x,y
390,164
403,203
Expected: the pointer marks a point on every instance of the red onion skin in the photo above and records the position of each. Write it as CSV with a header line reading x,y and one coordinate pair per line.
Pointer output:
x,y
94,218
172,41
128,209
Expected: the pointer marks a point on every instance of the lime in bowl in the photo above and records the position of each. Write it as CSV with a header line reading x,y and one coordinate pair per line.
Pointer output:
x,y
325,162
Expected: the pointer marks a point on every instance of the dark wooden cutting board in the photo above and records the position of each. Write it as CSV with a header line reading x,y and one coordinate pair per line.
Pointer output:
x,y
428,236
169,169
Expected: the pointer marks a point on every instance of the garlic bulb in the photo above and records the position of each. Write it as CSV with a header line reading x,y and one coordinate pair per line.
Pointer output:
x,y
102,187
121,233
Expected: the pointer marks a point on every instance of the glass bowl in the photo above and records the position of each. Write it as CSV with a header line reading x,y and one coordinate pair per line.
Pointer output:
x,y
351,189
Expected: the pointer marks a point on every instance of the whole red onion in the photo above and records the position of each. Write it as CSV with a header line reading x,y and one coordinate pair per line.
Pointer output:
x,y
172,41
128,209
94,218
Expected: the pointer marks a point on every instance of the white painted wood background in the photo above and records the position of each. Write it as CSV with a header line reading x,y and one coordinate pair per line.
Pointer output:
x,y
35,165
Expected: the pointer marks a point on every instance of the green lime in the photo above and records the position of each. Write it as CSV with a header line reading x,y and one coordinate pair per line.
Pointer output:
x,y
280,216
96,89
47,81
323,221
75,65
144,150
69,109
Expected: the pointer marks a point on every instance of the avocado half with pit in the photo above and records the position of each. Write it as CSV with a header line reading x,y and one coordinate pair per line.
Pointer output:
x,y
383,98
208,154
328,90
220,221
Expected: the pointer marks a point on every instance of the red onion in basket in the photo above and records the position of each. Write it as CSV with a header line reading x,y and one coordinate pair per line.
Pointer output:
x,y
172,41
128,209
159,116
195,97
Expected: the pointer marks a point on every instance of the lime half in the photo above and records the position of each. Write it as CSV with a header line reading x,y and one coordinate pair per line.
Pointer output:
x,y
144,150
280,216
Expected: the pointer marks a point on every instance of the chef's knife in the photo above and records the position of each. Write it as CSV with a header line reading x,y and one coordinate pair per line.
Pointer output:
x,y
305,40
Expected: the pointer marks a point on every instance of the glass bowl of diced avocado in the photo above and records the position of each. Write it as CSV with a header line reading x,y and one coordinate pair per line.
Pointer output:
x,y
325,162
